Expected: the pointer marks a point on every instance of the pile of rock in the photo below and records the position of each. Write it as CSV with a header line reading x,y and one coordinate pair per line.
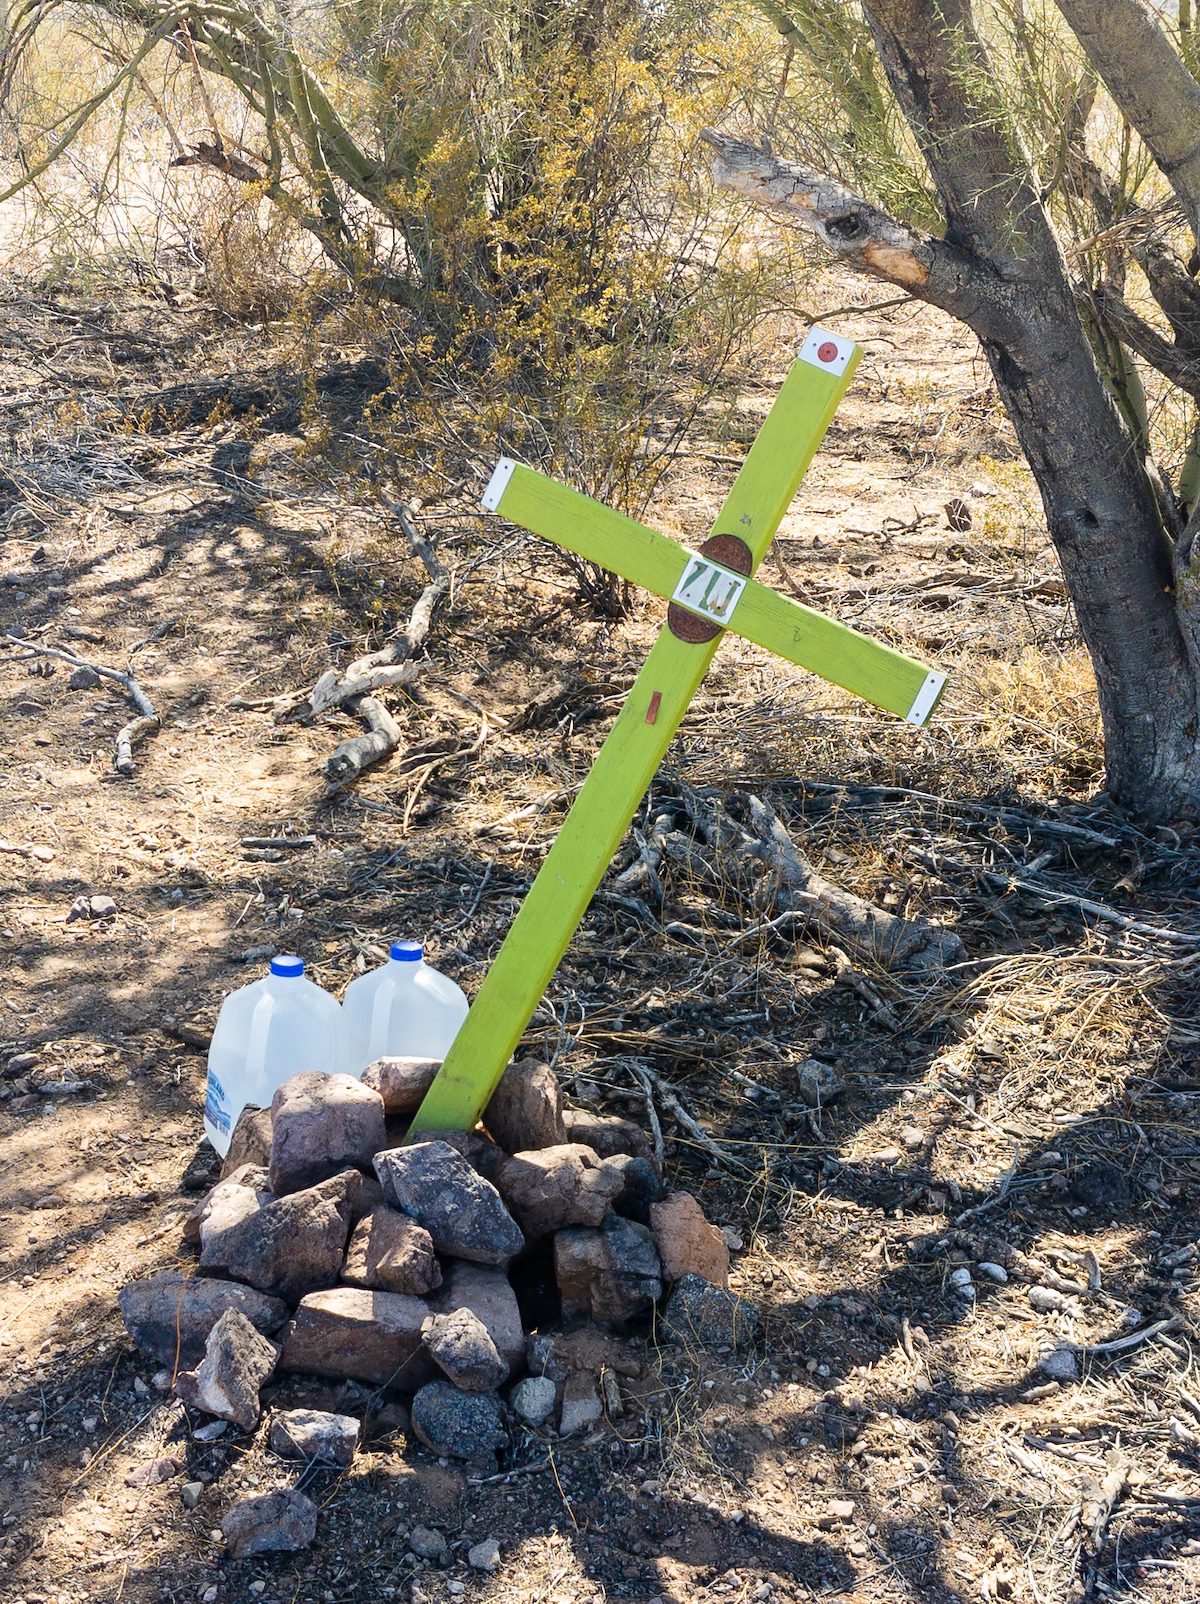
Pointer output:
x,y
328,1248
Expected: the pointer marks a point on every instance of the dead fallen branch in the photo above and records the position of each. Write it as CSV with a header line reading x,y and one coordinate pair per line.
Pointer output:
x,y
147,721
787,883
353,688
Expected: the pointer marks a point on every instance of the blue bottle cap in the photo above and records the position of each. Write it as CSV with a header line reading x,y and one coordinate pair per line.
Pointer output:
x,y
407,952
287,964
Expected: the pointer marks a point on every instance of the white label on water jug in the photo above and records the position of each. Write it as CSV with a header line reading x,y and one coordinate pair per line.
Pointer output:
x,y
215,1111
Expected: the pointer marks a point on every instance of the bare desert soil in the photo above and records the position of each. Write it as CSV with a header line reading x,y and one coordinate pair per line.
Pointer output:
x,y
165,503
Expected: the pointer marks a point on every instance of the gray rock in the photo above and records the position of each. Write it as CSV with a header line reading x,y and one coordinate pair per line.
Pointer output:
x,y
461,1346
170,1315
428,1543
314,1434
526,1108
83,679
607,1134
320,1125
488,1294
818,1083
611,1276
462,1212
580,1406
356,1335
484,1556
237,1362
641,1186
700,1315
401,1082
994,1272
532,1400
554,1187
459,1425
391,1253
241,1194
292,1246
1061,1364
480,1152
249,1142
1045,1300
191,1493
544,1359
270,1523
91,908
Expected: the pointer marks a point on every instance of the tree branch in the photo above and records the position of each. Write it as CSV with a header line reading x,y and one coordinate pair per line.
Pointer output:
x,y
1150,84
1174,363
860,234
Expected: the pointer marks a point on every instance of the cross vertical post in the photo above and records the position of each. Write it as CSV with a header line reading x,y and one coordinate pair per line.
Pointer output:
x,y
630,756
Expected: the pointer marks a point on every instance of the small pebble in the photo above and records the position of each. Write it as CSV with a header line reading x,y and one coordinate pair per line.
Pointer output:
x,y
209,1594
191,1493
1045,1299
484,1556
887,1155
456,1589
426,1543
994,1272
960,1278
841,1508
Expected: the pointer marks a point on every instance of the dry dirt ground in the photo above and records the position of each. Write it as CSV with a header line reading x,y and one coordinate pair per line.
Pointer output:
x,y
164,503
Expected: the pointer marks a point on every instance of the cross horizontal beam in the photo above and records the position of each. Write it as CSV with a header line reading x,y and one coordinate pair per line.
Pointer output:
x,y
842,655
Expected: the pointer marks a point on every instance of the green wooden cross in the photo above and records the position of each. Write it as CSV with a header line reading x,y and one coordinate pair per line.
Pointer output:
x,y
709,591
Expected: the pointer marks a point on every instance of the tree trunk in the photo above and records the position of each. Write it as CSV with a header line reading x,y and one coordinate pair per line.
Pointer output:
x,y
1151,85
1000,271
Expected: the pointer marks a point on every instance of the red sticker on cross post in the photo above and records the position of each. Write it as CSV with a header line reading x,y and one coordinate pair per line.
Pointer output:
x,y
825,350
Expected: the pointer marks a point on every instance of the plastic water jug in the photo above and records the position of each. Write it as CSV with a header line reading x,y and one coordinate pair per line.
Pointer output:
x,y
265,1033
404,1009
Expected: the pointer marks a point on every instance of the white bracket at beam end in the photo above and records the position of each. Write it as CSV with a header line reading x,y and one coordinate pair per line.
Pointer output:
x,y
826,351
497,484
926,699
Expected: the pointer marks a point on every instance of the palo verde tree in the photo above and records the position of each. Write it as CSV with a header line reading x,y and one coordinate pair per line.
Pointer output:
x,y
1050,200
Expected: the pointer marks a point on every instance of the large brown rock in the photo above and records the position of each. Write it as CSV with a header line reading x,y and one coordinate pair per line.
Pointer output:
x,y
356,1335
526,1108
401,1082
550,1188
391,1253
321,1124
462,1212
292,1246
237,1362
606,1134
687,1242
488,1294
611,1276
170,1315
250,1142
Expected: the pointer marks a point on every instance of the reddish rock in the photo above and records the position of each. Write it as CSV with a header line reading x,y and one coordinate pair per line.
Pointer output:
x,y
314,1434
292,1246
170,1315
250,1142
611,1276
357,1335
270,1523
237,1362
321,1124
462,1212
606,1134
687,1242
557,1186
391,1253
526,1108
488,1294
401,1082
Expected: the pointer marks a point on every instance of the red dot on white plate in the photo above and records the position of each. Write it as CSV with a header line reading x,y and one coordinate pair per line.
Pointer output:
x,y
827,351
